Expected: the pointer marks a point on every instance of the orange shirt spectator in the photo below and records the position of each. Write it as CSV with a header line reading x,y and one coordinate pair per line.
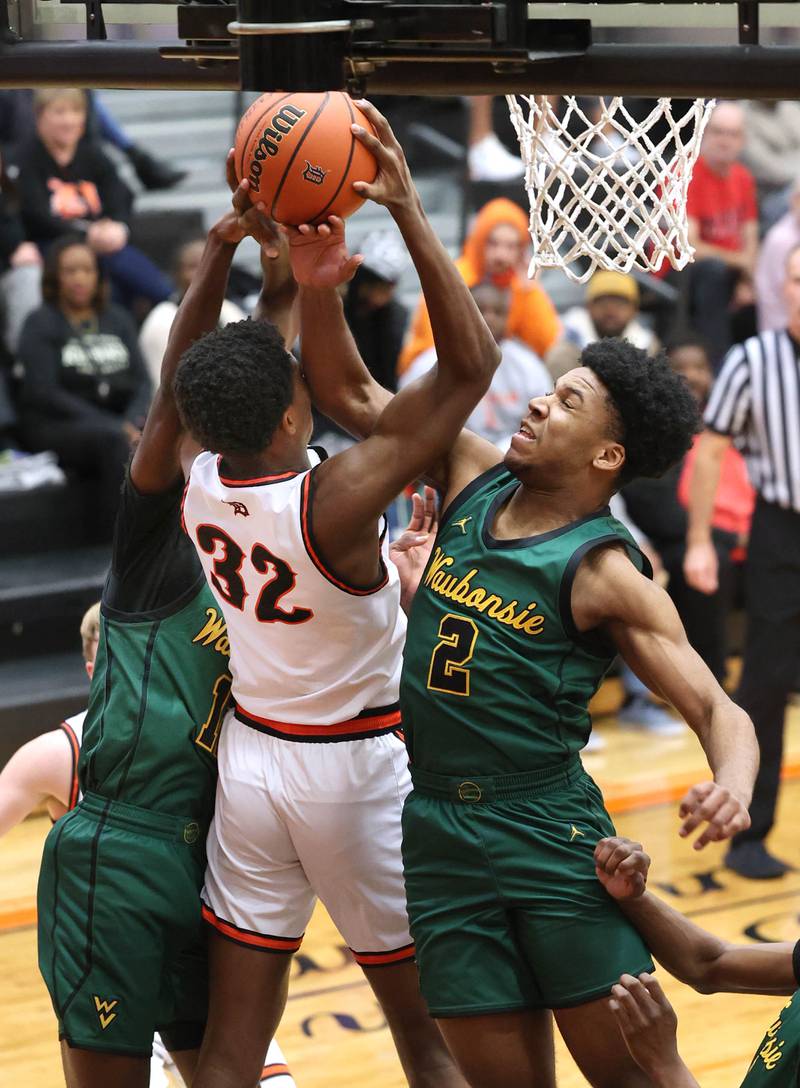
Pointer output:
x,y
494,253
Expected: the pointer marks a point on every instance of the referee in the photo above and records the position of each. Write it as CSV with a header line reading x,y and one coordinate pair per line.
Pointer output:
x,y
756,401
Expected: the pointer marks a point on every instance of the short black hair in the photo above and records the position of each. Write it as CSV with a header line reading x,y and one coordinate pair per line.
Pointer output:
x,y
233,386
655,411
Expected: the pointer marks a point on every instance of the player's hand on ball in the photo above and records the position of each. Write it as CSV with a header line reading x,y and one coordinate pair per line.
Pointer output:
x,y
246,219
319,255
621,867
721,809
393,185
411,551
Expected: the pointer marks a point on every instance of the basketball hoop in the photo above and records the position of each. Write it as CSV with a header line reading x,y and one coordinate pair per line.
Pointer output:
x,y
607,191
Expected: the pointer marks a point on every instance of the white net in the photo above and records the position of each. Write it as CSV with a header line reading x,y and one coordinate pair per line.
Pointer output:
x,y
607,190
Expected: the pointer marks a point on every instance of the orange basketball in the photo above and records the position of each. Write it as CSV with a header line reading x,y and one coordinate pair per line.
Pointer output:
x,y
300,157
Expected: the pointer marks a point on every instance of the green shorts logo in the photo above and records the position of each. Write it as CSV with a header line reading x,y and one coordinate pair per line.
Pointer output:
x,y
105,1010
191,833
469,791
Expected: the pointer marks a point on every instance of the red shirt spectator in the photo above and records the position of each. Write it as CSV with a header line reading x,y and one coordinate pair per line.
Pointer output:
x,y
722,204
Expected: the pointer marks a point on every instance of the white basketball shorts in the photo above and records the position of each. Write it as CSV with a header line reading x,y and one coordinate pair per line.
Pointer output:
x,y
298,820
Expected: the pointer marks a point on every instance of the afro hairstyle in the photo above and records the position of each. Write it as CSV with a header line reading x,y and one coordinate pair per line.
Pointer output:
x,y
233,385
655,411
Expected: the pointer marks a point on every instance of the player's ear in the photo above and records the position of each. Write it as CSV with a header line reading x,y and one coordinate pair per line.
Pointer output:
x,y
610,458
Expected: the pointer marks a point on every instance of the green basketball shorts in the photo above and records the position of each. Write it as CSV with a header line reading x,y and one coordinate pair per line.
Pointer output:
x,y
121,941
506,910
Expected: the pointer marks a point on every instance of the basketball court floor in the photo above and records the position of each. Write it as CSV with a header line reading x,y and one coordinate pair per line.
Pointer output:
x,y
333,1032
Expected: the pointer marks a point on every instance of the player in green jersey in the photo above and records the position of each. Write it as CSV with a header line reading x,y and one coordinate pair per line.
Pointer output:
x,y
121,942
530,592
709,964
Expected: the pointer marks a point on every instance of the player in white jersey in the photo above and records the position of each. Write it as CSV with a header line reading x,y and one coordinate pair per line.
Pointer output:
x,y
313,774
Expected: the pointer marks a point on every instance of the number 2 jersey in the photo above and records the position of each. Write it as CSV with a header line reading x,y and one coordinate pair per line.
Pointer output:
x,y
497,679
161,680
312,657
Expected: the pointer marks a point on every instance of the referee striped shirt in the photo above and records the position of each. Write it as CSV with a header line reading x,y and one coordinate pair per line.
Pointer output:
x,y
756,400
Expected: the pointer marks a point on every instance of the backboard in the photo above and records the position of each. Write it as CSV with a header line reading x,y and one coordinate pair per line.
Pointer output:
x,y
731,49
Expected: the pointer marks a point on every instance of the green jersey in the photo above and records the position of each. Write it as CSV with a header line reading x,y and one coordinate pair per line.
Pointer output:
x,y
777,1061
496,677
161,682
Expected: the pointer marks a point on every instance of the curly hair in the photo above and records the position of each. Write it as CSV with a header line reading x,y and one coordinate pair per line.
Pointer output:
x,y
653,407
233,385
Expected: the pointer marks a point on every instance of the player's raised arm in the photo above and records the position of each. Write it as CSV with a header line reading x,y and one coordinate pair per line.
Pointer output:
x,y
641,620
690,953
156,464
418,427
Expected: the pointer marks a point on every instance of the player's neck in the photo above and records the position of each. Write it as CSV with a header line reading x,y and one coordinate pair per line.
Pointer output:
x,y
532,510
252,466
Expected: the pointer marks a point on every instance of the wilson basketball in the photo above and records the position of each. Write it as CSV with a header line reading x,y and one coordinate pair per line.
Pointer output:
x,y
300,157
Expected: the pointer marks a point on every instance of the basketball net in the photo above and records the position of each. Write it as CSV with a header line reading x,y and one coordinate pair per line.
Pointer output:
x,y
607,190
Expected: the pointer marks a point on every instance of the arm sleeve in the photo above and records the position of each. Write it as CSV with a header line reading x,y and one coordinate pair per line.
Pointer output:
x,y
728,407
40,354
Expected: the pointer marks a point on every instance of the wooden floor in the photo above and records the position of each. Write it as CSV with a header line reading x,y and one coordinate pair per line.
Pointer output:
x,y
333,1032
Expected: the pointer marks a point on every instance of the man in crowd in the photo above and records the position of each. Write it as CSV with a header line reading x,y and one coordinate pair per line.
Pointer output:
x,y
723,228
778,242
772,153
611,309
755,402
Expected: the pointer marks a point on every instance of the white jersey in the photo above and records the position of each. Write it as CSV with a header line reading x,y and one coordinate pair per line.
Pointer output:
x,y
73,727
309,653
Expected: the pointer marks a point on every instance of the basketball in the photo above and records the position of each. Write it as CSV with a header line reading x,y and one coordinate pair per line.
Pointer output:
x,y
300,157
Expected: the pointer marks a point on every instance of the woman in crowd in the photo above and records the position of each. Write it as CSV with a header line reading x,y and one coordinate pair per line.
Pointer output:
x,y
85,389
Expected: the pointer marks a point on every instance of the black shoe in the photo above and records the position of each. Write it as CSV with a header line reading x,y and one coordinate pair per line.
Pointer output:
x,y
154,173
753,861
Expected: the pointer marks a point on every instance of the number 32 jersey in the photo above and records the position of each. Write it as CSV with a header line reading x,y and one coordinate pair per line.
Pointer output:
x,y
311,656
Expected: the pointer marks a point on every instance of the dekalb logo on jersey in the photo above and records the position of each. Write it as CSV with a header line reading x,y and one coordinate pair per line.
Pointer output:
x,y
239,508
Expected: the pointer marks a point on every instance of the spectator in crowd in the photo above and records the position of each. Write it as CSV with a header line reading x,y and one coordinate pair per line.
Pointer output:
x,y
658,509
66,184
780,240
611,309
18,120
520,376
155,328
495,252
772,153
723,228
85,387
20,269
376,318
756,402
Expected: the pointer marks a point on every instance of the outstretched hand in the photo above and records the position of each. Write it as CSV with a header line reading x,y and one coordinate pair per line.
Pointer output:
x,y
621,867
411,551
720,808
319,254
246,219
